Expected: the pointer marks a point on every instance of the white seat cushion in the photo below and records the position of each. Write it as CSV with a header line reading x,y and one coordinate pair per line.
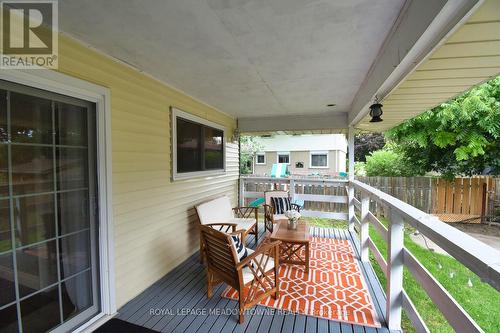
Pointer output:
x,y
247,273
242,223
215,211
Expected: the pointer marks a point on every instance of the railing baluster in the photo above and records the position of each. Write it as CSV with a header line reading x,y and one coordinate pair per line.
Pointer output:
x,y
350,212
365,222
395,255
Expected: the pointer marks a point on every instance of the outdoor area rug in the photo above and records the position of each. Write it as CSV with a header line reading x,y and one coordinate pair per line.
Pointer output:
x,y
335,288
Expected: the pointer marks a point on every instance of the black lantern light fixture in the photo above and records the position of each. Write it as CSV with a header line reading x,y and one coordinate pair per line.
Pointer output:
x,y
376,111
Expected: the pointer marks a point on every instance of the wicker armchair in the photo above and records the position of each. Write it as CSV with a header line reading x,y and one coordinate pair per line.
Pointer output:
x,y
252,277
270,217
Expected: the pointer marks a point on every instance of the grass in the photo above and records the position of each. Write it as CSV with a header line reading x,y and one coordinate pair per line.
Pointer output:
x,y
481,301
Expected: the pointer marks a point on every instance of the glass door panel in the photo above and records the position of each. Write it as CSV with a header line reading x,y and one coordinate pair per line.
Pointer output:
x,y
48,222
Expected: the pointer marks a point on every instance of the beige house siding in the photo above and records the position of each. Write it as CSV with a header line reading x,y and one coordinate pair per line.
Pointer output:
x,y
336,163
154,219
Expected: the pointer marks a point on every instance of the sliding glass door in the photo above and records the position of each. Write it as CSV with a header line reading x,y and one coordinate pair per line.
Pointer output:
x,y
49,279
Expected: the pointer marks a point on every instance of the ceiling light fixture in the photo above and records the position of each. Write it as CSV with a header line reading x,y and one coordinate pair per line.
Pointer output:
x,y
376,111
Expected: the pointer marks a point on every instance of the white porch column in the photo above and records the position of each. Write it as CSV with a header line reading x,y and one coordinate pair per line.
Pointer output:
x,y
395,271
363,233
350,194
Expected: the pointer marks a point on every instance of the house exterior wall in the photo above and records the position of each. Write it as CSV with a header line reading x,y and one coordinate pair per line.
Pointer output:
x,y
154,220
336,163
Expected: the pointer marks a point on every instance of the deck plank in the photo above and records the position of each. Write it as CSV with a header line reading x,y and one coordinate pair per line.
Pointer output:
x,y
185,288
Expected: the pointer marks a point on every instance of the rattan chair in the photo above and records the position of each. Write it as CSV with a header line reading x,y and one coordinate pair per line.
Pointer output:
x,y
252,277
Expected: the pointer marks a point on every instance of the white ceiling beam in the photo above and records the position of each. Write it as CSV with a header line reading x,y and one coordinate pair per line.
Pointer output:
x,y
421,27
293,123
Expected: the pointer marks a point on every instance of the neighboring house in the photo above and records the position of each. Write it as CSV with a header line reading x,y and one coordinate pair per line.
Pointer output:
x,y
323,154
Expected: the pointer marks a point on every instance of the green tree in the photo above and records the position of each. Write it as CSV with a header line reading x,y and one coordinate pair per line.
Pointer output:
x,y
249,147
461,136
365,143
389,163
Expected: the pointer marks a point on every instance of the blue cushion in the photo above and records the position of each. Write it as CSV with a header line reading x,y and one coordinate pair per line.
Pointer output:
x,y
281,205
241,250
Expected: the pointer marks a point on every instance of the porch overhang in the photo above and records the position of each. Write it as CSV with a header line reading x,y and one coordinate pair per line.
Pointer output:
x,y
276,66
331,123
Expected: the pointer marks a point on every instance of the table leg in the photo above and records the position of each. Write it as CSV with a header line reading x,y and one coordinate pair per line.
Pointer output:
x,y
307,258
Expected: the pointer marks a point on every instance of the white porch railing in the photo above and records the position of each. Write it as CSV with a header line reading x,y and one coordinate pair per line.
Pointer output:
x,y
324,192
475,255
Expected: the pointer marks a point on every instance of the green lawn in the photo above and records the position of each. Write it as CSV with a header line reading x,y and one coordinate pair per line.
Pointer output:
x,y
481,301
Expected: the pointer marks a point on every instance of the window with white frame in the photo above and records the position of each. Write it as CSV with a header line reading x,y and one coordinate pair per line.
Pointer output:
x,y
319,159
198,146
260,158
284,157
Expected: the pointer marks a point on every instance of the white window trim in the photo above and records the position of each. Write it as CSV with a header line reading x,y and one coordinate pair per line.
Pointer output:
x,y
283,153
195,174
325,152
70,86
257,159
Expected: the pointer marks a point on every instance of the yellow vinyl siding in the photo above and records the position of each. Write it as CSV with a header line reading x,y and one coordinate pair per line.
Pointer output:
x,y
154,219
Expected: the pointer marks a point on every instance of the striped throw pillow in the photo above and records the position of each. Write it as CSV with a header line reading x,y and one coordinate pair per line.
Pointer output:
x,y
281,205
241,250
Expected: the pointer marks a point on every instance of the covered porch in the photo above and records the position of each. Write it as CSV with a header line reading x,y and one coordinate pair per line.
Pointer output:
x,y
183,289
169,88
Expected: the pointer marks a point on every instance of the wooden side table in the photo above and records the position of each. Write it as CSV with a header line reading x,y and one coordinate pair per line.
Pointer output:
x,y
292,242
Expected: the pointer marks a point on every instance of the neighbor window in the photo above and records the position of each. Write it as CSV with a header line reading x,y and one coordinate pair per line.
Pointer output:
x,y
319,159
260,158
198,146
284,158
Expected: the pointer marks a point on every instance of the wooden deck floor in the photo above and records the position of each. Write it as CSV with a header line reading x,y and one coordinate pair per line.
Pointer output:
x,y
161,306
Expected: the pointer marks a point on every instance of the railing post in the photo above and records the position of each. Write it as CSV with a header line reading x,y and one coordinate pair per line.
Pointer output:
x,y
350,200
363,233
241,195
292,189
395,271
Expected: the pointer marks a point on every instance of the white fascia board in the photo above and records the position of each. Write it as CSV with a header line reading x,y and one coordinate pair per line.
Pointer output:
x,y
293,123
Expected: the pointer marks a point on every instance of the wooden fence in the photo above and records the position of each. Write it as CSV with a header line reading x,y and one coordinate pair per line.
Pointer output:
x,y
464,199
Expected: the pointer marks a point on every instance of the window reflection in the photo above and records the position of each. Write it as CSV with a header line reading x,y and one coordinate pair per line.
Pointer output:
x,y
213,149
8,319
32,169
31,119
34,219
76,295
40,312
4,171
71,168
7,287
5,232
75,254
73,211
71,125
37,267
199,147
3,116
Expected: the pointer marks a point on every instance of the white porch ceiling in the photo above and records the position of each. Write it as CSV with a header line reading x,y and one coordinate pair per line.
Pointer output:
x,y
247,58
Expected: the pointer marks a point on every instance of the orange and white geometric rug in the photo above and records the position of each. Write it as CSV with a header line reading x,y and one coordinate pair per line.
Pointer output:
x,y
334,289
